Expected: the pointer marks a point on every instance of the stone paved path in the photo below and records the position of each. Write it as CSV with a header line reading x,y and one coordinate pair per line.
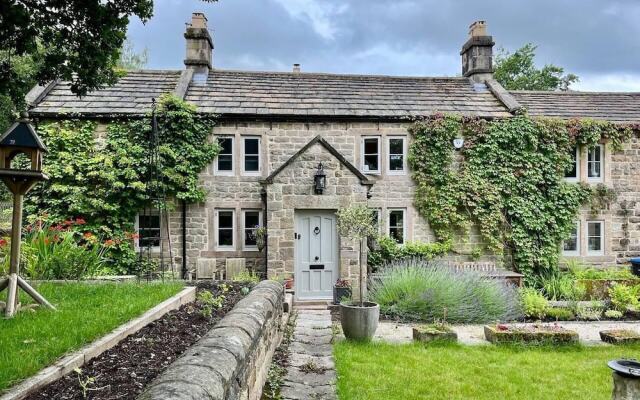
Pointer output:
x,y
311,374
589,332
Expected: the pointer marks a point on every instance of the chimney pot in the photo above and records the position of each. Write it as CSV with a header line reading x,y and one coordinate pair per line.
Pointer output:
x,y
198,20
477,53
296,68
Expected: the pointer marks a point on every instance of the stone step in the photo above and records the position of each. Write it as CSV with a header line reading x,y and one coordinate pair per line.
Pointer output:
x,y
311,304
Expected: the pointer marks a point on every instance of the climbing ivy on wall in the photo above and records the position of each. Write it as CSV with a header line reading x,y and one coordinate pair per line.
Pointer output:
x,y
100,178
507,181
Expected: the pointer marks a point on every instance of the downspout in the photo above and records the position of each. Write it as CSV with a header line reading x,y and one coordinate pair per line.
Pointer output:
x,y
184,239
263,197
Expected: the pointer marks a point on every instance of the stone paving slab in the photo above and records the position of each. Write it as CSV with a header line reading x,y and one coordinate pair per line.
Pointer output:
x,y
311,372
589,332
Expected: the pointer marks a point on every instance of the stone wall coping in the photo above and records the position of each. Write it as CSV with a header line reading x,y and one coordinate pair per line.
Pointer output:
x,y
220,365
78,358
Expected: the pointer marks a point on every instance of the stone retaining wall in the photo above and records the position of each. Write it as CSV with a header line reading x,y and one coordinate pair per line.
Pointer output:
x,y
232,360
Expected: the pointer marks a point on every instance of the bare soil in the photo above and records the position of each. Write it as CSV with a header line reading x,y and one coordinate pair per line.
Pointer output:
x,y
125,370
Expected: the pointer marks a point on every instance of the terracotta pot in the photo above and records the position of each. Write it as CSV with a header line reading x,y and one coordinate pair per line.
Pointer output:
x,y
288,283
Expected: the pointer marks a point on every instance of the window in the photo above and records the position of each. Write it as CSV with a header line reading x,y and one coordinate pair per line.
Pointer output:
x,y
224,162
571,246
595,237
148,227
252,221
251,151
225,229
594,164
371,155
396,155
573,172
397,225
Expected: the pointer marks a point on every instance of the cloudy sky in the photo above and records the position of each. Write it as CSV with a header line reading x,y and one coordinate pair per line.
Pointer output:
x,y
599,40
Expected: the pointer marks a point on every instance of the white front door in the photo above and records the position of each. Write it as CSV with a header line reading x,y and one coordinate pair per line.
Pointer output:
x,y
316,254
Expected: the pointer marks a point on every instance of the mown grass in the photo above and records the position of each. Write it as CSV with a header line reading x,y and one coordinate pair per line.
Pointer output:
x,y
34,339
456,372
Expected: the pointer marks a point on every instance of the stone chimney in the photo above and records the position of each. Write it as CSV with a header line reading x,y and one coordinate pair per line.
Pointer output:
x,y
477,53
199,44
296,68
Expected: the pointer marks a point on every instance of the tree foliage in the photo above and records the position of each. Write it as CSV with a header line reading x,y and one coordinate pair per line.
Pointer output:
x,y
518,71
82,40
129,59
509,182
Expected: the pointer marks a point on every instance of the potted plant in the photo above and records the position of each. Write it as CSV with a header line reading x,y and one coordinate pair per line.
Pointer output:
x,y
261,237
341,290
288,282
359,320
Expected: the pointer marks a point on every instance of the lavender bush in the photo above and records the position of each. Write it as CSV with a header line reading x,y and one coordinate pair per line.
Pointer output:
x,y
426,291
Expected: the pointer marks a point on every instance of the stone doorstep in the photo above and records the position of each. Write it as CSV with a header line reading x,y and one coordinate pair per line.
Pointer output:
x,y
78,358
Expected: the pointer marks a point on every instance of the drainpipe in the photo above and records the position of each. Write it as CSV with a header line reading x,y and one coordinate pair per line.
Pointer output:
x,y
184,239
263,197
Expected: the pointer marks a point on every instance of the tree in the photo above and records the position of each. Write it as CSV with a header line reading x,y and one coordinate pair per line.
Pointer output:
x,y
82,38
517,71
129,59
357,223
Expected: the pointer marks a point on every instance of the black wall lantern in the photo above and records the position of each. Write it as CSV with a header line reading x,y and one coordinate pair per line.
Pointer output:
x,y
320,180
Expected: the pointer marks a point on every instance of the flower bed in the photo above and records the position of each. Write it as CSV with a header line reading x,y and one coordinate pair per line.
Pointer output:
x,y
124,371
598,288
434,332
532,334
620,336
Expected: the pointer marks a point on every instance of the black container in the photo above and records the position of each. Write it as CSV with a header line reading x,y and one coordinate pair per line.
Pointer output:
x,y
340,293
635,266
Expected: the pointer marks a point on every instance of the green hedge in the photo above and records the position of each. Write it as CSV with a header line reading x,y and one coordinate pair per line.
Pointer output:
x,y
387,249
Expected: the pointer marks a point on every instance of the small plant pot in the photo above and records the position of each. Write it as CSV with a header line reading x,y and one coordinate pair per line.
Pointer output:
x,y
619,336
340,293
432,333
359,323
288,283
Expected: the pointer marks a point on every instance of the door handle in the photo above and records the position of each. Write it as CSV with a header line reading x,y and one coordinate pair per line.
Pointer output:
x,y
317,258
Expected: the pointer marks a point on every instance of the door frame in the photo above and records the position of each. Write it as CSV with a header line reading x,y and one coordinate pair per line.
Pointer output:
x,y
296,267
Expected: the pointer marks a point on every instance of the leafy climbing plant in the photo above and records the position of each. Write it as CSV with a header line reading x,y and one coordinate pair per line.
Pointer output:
x,y
507,181
100,176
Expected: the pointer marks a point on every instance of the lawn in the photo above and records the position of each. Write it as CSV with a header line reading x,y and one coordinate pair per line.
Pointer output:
x,y
440,371
34,339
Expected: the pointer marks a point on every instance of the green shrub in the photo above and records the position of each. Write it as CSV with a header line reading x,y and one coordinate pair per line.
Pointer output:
x,y
580,271
247,276
613,314
560,286
592,312
56,252
624,296
424,291
388,250
560,314
534,304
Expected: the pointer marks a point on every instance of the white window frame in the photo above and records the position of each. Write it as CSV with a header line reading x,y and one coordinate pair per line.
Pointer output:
x,y
136,227
244,228
233,157
404,155
244,154
601,177
602,233
233,229
405,222
362,164
577,164
576,252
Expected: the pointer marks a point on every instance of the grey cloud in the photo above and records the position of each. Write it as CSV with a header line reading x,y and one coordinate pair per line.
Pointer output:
x,y
402,37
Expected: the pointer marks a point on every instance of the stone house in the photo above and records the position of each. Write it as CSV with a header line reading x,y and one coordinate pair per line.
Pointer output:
x,y
278,129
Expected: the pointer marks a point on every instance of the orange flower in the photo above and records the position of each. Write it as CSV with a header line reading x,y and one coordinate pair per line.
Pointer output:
x,y
80,221
109,243
3,242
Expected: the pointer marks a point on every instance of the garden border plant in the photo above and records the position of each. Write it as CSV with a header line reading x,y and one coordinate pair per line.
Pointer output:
x,y
508,181
100,176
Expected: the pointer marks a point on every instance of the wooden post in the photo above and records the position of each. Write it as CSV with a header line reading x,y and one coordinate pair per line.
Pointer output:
x,y
13,295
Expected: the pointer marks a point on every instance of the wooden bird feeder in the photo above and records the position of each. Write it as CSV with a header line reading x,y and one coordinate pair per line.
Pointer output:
x,y
20,139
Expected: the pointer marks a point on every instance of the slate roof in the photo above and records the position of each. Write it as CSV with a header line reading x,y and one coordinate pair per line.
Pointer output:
x,y
615,107
307,95
312,94
131,95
